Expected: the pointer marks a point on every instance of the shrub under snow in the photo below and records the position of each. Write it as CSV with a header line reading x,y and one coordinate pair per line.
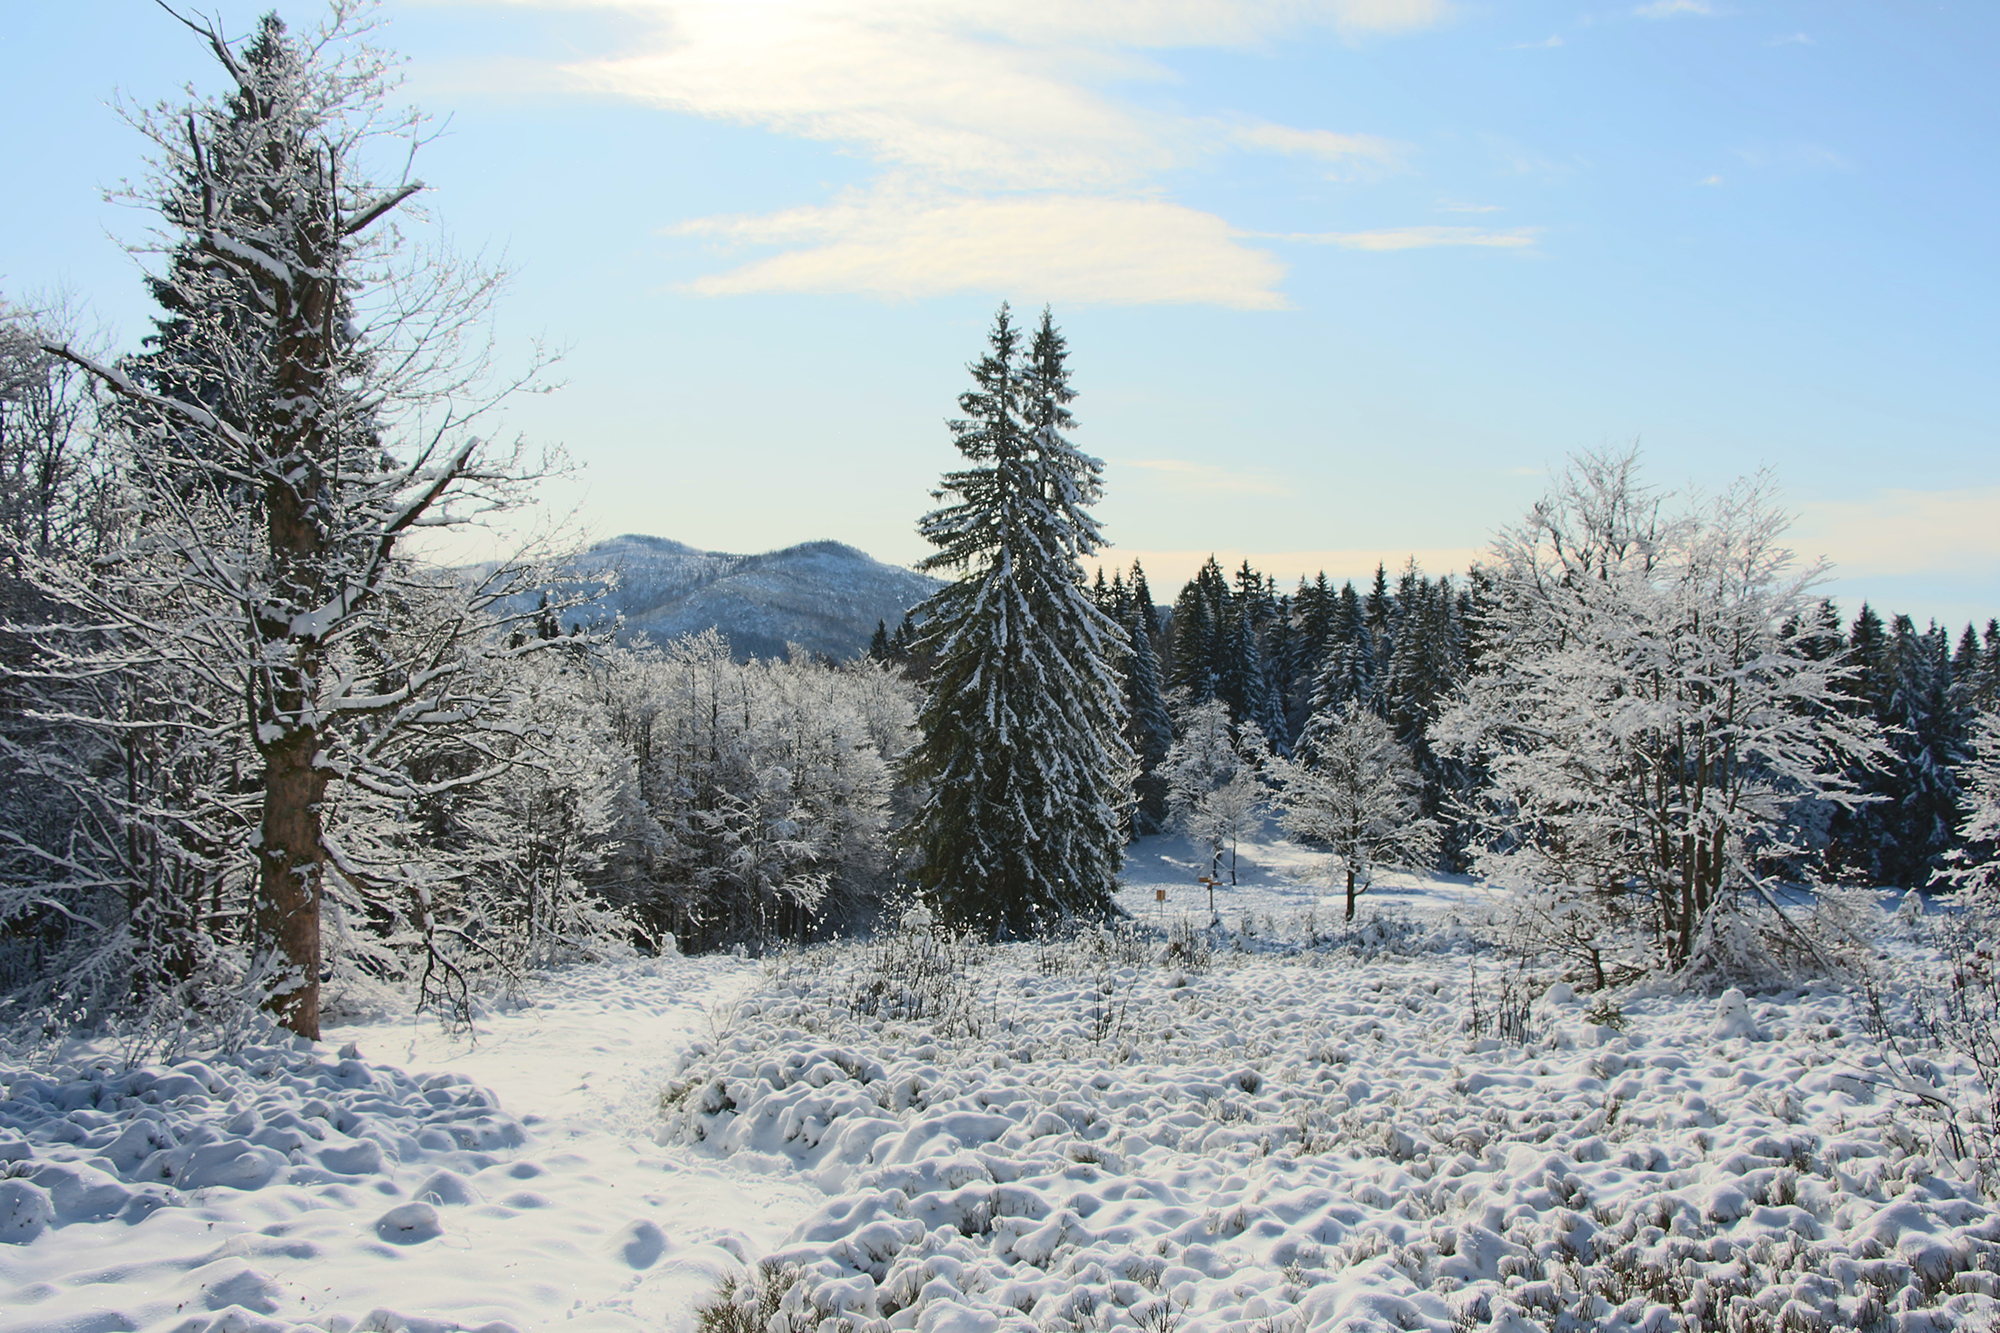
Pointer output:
x,y
1315,1141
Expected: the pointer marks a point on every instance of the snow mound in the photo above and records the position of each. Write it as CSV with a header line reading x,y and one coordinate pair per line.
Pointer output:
x,y
1732,1018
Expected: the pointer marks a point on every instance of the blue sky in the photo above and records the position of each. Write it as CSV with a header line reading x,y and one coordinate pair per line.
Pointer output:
x,y
1341,278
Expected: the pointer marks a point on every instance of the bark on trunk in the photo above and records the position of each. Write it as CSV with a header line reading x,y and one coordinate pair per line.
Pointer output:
x,y
290,864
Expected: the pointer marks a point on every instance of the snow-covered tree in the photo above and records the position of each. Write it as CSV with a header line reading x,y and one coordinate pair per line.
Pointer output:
x,y
46,454
1214,792
763,789
323,417
1023,761
1347,659
1974,867
1649,718
1353,788
1149,728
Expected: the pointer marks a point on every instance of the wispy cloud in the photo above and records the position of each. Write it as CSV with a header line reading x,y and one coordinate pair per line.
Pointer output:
x,y
1329,146
1711,180
998,132
1792,39
1071,247
1547,43
1420,238
1667,9
1454,206
1205,478
1904,532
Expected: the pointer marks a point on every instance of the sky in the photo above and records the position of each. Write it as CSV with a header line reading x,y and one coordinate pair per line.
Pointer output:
x,y
1343,280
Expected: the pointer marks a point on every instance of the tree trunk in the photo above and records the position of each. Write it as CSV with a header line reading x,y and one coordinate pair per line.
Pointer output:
x,y
290,863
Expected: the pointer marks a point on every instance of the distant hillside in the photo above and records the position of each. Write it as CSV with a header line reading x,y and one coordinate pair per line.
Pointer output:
x,y
823,595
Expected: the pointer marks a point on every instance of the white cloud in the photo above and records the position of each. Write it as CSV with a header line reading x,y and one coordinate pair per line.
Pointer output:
x,y
1666,9
1711,180
1072,248
1328,146
1548,43
1454,206
1905,532
1007,158
1792,39
1420,238
910,91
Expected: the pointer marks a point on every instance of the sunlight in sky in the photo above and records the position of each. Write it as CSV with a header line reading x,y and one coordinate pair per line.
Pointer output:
x,y
1340,277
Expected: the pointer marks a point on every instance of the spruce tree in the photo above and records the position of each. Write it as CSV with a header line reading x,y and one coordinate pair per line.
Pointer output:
x,y
1305,649
1023,760
1149,728
1197,644
1144,612
1347,672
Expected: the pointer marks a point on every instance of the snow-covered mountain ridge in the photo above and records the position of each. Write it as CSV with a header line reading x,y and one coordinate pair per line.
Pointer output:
x,y
824,595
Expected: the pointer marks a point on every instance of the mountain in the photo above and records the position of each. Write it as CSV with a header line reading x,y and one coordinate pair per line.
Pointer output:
x,y
823,595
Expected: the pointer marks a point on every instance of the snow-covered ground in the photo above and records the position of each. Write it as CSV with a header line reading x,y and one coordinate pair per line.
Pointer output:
x,y
511,1179
1284,1126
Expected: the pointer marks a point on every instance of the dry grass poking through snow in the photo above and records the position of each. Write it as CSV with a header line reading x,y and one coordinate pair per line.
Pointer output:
x,y
1112,1134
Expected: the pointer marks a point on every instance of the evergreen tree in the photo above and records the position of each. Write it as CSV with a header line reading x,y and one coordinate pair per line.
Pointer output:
x,y
1985,689
1305,649
1924,729
1197,630
1347,673
1023,759
1144,612
1965,662
1868,651
1278,651
1149,728
1377,608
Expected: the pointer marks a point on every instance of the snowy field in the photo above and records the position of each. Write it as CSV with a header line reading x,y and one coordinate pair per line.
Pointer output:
x,y
1281,1127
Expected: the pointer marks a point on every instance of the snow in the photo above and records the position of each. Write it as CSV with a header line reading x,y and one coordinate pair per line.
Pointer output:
x,y
1286,1125
513,1183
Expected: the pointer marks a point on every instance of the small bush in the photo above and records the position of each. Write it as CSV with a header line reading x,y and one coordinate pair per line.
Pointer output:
x,y
746,1304
1188,948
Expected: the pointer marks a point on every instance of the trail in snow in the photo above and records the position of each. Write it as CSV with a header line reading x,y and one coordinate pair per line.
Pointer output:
x,y
506,1178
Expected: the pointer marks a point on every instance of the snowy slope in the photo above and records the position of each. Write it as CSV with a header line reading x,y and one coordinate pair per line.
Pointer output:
x,y
824,595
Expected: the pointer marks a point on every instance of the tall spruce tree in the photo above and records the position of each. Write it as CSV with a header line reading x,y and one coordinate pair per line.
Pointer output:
x,y
1023,760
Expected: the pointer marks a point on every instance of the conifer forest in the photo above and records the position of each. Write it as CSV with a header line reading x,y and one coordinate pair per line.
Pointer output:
x,y
1599,936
